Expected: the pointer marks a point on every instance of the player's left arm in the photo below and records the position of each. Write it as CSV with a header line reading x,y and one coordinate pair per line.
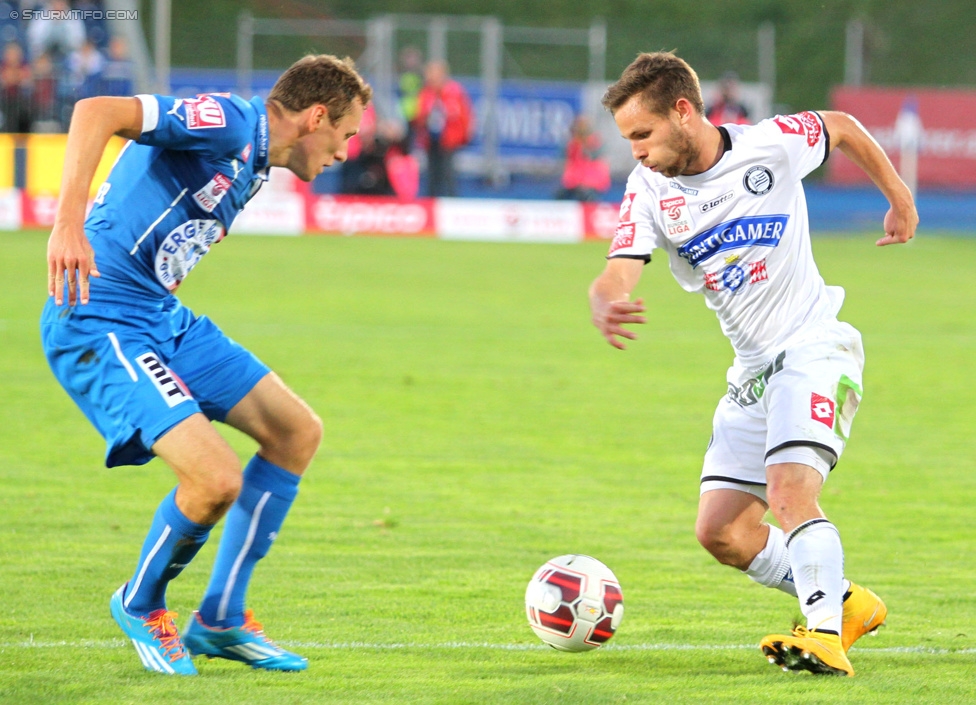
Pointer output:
x,y
857,144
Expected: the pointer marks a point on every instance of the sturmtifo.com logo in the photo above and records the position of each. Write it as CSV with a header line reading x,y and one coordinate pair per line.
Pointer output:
x,y
74,15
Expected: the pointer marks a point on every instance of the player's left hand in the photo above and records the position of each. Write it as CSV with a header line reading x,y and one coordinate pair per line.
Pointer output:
x,y
899,225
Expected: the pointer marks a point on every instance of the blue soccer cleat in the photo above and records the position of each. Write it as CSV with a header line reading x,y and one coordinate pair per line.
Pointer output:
x,y
246,643
155,637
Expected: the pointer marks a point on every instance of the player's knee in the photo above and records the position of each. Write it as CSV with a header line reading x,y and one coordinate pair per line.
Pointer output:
x,y
721,540
294,446
222,491
306,438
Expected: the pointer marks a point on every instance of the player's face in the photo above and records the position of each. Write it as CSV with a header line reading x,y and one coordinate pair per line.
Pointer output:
x,y
326,145
659,142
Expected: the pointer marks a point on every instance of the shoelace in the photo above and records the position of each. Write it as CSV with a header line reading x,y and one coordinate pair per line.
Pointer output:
x,y
253,626
164,631
801,631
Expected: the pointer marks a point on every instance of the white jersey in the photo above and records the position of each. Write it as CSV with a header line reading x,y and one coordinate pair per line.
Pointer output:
x,y
739,232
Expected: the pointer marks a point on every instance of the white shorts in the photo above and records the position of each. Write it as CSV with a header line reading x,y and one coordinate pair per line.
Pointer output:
x,y
798,407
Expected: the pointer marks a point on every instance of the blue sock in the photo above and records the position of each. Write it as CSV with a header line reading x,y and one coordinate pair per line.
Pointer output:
x,y
172,542
251,527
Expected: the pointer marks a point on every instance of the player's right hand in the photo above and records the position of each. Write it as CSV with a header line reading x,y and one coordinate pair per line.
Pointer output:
x,y
70,258
610,318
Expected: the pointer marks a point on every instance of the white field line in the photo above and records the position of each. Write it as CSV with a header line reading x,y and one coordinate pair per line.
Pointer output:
x,y
360,645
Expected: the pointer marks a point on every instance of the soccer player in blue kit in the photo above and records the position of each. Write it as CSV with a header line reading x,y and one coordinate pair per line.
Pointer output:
x,y
149,373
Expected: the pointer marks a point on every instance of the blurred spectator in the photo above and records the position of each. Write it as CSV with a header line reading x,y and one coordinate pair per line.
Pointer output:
x,y
379,163
402,169
117,74
408,88
585,175
85,66
727,107
44,101
15,89
443,125
55,37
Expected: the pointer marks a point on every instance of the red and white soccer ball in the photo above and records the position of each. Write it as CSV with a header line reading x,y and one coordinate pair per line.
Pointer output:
x,y
574,603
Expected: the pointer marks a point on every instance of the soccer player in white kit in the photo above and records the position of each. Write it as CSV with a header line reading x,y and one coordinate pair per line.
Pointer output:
x,y
727,207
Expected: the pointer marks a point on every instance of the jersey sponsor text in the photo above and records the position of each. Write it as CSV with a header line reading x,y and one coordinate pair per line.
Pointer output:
x,y
761,230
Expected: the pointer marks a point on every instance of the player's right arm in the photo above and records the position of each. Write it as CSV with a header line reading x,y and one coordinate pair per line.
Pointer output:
x,y
857,144
69,254
610,300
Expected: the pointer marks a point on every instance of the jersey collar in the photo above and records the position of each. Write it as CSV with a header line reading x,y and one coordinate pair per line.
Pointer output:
x,y
261,142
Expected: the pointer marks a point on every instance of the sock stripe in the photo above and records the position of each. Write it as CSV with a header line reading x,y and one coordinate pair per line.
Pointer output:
x,y
242,554
134,588
802,527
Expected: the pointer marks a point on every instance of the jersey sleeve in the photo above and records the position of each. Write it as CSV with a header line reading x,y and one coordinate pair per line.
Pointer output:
x,y
805,140
637,234
211,124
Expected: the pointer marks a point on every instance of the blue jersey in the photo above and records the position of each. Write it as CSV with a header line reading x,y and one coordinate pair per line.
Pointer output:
x,y
174,192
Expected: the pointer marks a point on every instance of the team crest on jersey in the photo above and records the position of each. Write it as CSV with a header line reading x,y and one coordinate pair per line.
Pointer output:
x,y
180,251
169,386
203,113
805,124
623,237
246,153
677,218
758,180
753,230
736,274
209,196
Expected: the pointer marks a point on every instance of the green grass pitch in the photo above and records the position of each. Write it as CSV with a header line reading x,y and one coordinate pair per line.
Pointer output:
x,y
477,425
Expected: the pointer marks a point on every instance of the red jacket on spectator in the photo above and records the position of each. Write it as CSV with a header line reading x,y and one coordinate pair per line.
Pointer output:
x,y
444,112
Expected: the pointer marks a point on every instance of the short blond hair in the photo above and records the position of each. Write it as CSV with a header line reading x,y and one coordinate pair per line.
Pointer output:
x,y
321,79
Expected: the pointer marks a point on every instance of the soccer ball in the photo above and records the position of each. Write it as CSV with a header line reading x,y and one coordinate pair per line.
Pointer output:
x,y
574,603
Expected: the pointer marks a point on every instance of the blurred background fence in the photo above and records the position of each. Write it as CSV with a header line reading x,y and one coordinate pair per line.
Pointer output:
x,y
907,70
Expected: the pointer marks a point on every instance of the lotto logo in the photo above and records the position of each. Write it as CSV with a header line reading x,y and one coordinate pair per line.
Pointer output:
x,y
822,410
203,113
625,206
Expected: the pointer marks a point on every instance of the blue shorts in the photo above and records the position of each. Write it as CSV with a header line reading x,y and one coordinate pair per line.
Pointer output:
x,y
138,371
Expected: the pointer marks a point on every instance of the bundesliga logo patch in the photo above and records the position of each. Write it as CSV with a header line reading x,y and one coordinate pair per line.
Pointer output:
x,y
677,216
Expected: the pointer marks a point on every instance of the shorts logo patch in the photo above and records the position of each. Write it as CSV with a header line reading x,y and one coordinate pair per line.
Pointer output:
x,y
203,113
170,387
822,410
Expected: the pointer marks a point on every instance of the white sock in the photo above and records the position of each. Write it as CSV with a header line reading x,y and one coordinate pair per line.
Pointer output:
x,y
817,561
771,567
